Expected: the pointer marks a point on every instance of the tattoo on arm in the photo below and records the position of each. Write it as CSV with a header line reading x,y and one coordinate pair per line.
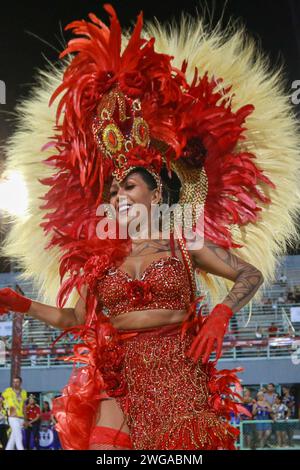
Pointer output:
x,y
150,247
245,286
246,277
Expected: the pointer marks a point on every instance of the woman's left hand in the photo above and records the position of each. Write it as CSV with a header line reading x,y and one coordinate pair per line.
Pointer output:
x,y
212,331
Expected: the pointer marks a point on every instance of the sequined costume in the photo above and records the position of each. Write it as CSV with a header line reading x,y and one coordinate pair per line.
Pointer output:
x,y
192,103
168,397
164,284
168,401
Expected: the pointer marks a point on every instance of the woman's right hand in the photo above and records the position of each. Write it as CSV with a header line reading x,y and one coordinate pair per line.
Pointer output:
x,y
11,300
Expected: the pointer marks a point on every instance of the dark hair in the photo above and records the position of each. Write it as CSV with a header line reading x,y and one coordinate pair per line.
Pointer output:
x,y
170,185
49,409
146,176
18,377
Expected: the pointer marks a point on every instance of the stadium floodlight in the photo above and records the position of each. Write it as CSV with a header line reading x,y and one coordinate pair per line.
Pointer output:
x,y
13,194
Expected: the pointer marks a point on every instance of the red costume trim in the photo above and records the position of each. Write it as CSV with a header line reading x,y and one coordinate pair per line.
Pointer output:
x,y
104,437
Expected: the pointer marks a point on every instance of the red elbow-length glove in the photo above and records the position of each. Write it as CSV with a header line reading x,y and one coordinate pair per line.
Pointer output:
x,y
212,331
11,300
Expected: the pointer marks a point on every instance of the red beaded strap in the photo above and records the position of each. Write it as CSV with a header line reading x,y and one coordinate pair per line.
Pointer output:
x,y
189,266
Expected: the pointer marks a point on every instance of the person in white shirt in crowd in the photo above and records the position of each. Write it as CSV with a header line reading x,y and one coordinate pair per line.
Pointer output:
x,y
280,413
288,399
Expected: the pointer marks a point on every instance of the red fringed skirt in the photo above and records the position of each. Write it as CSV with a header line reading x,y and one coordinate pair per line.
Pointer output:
x,y
169,402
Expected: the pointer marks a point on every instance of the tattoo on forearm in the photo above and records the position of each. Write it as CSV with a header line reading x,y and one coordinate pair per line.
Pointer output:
x,y
245,286
227,256
247,282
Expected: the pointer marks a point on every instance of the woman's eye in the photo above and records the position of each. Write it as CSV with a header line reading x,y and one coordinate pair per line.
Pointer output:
x,y
113,193
130,186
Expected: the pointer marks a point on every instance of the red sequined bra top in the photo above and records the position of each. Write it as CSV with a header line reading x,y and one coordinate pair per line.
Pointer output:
x,y
165,284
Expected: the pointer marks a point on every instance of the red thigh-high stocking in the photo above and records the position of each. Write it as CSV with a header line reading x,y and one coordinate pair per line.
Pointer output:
x,y
104,437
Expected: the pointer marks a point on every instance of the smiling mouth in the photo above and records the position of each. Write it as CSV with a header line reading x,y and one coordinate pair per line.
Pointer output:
x,y
123,208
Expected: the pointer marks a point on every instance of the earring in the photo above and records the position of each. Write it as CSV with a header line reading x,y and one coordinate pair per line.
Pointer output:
x,y
109,214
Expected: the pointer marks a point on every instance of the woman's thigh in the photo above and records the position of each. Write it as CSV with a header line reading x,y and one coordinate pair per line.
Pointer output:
x,y
110,414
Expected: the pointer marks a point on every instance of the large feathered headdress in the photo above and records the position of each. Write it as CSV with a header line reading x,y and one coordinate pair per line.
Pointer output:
x,y
202,102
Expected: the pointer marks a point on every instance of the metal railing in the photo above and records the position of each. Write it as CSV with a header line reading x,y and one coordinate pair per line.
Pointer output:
x,y
269,434
239,343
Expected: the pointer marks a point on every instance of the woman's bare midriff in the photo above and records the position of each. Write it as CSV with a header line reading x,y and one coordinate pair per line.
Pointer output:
x,y
147,318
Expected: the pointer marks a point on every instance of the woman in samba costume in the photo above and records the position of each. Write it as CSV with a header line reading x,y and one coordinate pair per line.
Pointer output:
x,y
126,122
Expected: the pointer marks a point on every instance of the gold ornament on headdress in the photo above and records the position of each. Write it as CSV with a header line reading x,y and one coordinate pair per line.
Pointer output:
x,y
194,183
115,143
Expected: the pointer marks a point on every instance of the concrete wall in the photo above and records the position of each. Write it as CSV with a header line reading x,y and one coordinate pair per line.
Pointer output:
x,y
262,371
39,379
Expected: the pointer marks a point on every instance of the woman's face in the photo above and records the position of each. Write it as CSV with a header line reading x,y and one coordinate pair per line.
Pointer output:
x,y
132,190
260,396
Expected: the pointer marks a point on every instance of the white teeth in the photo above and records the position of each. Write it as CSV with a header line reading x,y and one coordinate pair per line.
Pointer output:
x,y
124,208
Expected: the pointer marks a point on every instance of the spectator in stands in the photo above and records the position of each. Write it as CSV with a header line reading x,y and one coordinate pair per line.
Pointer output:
x,y
280,412
248,429
281,299
261,412
4,343
260,333
33,356
32,424
283,279
270,395
272,330
288,399
297,294
14,403
46,415
291,297
3,425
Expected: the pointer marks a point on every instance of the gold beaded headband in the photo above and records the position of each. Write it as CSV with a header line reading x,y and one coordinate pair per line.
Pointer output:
x,y
151,171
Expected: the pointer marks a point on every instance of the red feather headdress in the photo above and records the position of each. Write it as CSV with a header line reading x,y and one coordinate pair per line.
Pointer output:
x,y
136,108
193,123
